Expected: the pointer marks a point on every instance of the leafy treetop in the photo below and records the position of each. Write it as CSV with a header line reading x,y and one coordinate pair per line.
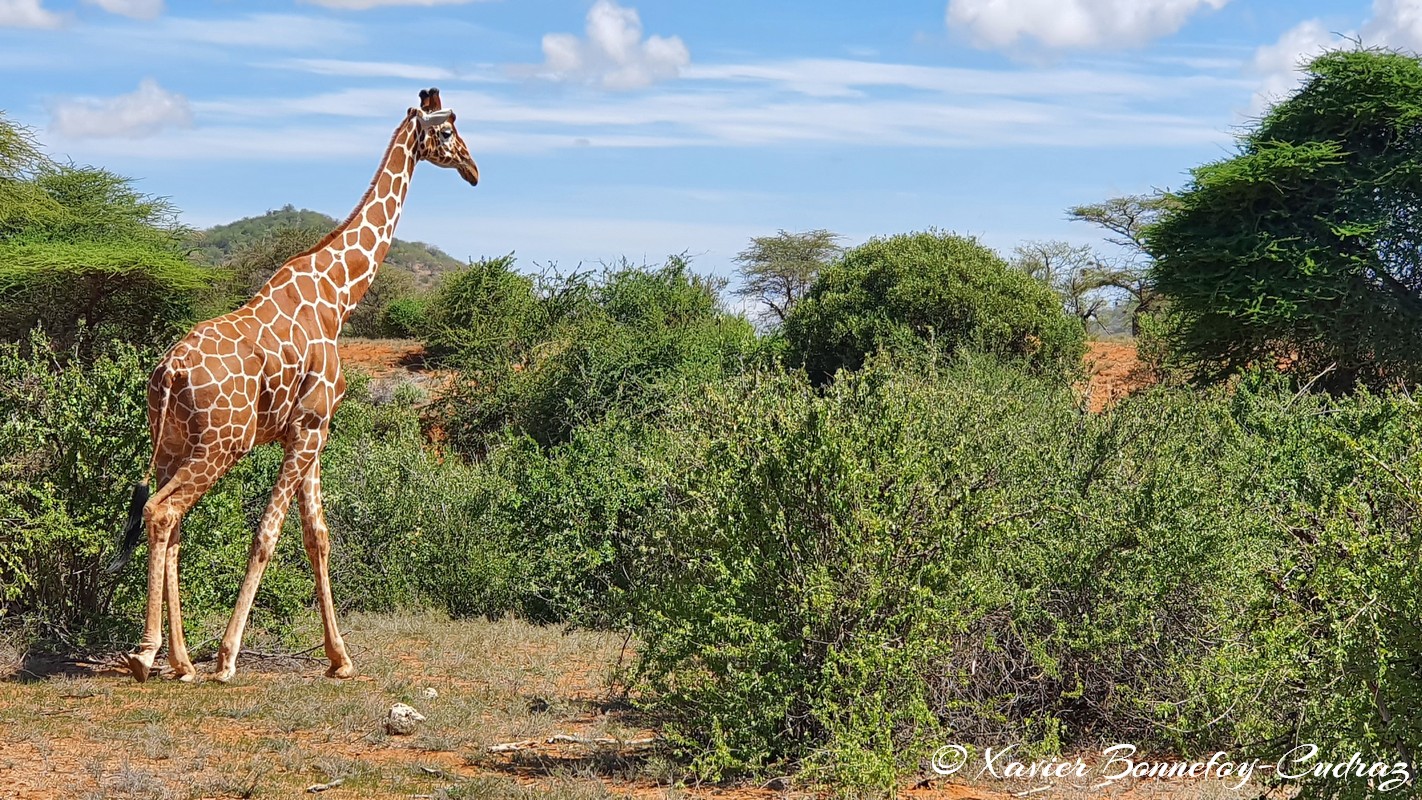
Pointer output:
x,y
1303,249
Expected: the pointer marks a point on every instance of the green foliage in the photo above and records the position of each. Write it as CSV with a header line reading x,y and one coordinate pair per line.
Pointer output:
x,y
405,317
1303,248
23,204
843,581
408,527
484,316
571,514
120,289
619,343
911,290
20,154
81,249
776,271
1339,482
71,442
391,285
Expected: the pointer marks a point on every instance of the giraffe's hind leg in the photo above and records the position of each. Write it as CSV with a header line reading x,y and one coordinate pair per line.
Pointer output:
x,y
163,514
177,647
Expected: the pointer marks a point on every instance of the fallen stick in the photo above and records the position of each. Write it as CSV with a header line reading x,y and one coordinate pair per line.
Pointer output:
x,y
564,738
321,787
509,747
568,739
299,656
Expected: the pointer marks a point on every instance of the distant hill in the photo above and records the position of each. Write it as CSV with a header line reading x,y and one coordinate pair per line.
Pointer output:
x,y
214,245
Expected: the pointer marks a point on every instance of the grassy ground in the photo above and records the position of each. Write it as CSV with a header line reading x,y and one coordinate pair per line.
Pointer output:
x,y
89,732
281,727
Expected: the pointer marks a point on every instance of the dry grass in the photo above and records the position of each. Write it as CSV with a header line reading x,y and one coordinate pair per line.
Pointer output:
x,y
12,652
281,727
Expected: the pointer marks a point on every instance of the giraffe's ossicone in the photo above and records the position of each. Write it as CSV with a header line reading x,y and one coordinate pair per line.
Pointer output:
x,y
270,372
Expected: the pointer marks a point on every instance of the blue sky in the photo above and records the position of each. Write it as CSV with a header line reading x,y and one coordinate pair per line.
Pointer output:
x,y
641,128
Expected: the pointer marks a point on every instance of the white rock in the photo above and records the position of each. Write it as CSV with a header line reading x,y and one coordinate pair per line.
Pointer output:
x,y
429,693
402,720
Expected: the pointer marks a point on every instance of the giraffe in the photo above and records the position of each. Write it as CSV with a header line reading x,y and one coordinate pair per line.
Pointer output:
x,y
270,372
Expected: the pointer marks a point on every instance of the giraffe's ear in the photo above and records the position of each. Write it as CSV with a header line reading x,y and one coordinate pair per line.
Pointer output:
x,y
429,100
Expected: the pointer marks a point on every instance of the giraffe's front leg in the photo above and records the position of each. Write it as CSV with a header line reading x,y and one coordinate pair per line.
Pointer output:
x,y
296,463
317,540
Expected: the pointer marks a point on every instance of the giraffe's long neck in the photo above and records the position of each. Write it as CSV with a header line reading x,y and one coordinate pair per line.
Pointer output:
x,y
350,255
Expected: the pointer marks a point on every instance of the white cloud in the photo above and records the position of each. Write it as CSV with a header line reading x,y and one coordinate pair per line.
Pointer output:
x,y
269,31
255,145
781,103
138,9
1392,23
821,77
362,5
613,55
27,14
1277,65
370,69
1395,23
358,103
130,116
1068,24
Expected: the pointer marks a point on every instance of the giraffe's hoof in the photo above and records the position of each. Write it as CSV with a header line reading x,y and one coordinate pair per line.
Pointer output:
x,y
137,668
184,674
225,675
346,670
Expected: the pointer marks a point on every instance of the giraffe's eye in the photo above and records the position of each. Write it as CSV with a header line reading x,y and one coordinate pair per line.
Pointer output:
x,y
446,134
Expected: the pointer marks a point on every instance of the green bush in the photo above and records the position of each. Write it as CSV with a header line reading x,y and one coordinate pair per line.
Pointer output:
x,y
483,316
405,318
391,285
910,290
844,581
622,343
73,440
1339,483
408,527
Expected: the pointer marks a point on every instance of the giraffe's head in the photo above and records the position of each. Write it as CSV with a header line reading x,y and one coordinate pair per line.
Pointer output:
x,y
439,143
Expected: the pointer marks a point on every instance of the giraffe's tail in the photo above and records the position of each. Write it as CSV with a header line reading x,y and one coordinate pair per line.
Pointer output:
x,y
133,531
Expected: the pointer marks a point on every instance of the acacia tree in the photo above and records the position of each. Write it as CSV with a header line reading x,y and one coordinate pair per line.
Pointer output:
x,y
1072,271
1125,220
777,271
1303,249
81,249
